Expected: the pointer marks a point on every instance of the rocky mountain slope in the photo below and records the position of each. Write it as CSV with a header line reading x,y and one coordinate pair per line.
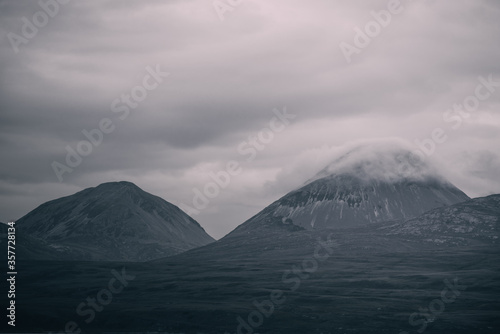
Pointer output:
x,y
113,221
474,221
367,184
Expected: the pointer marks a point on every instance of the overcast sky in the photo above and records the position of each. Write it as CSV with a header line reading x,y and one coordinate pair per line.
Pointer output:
x,y
231,69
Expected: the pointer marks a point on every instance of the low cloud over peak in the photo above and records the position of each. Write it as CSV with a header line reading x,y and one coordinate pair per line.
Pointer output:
x,y
380,159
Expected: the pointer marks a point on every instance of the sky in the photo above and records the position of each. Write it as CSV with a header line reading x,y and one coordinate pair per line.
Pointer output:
x,y
239,101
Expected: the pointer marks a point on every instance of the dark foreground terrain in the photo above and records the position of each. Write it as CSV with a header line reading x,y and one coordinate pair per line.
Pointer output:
x,y
360,281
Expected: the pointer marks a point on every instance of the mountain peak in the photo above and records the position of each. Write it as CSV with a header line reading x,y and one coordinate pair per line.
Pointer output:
x,y
117,193
116,186
366,183
113,221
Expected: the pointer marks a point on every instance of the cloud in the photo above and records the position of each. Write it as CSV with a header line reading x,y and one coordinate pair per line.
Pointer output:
x,y
226,78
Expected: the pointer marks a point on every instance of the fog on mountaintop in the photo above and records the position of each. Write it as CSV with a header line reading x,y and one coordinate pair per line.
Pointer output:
x,y
384,159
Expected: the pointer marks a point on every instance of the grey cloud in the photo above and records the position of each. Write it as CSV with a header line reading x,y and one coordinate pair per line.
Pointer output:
x,y
226,77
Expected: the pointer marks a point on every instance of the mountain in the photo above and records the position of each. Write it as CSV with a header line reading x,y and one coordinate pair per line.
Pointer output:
x,y
366,184
471,222
378,278
292,280
114,221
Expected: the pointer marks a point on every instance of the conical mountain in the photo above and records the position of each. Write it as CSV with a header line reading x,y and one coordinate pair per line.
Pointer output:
x,y
366,184
113,221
